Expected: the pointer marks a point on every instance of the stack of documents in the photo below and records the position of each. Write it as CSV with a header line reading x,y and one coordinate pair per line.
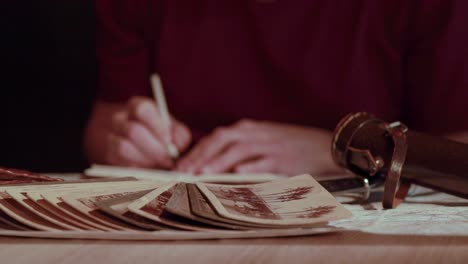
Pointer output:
x,y
127,208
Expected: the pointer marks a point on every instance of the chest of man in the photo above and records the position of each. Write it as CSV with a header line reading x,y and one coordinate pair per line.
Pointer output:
x,y
303,62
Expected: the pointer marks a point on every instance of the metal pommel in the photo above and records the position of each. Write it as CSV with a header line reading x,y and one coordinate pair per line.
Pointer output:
x,y
368,146
365,164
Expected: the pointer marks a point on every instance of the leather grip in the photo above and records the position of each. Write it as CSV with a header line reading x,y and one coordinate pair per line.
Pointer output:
x,y
371,147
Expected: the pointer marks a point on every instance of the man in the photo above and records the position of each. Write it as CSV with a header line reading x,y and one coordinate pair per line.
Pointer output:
x,y
259,85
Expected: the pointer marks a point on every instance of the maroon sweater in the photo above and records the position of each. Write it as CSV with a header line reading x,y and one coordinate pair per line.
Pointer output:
x,y
306,62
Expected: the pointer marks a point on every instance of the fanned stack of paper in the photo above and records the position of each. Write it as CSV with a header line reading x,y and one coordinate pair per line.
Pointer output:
x,y
134,209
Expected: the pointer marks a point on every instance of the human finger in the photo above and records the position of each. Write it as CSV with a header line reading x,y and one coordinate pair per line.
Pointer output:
x,y
234,155
208,148
123,153
147,143
182,135
144,110
257,166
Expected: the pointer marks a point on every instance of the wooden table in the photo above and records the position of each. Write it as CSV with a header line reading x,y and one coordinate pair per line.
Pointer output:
x,y
346,247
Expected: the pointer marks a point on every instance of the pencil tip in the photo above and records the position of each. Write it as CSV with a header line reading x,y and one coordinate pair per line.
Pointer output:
x,y
173,151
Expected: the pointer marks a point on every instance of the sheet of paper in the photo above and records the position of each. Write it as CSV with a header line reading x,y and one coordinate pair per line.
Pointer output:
x,y
10,223
298,200
118,207
201,207
179,204
135,209
160,175
86,206
42,209
152,206
34,208
73,213
60,214
6,226
51,195
66,186
85,203
21,214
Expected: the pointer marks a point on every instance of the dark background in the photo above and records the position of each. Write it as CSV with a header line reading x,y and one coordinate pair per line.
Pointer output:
x,y
47,82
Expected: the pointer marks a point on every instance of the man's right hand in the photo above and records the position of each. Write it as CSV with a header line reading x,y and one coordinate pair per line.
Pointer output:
x,y
136,136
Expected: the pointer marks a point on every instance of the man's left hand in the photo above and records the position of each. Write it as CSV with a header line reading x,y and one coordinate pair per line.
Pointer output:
x,y
256,146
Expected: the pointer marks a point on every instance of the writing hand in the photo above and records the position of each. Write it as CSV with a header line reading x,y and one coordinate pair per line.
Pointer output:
x,y
139,139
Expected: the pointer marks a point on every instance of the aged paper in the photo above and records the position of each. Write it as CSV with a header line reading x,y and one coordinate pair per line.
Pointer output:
x,y
200,206
152,206
118,207
85,203
24,215
52,209
133,209
298,200
21,214
179,204
10,223
161,175
34,208
53,197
